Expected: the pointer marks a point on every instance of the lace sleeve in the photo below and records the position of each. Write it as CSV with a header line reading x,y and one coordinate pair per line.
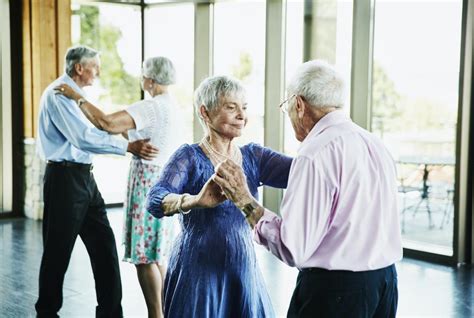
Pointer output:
x,y
173,178
273,167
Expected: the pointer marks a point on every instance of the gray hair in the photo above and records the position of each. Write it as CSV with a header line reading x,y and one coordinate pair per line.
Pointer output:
x,y
319,84
213,88
160,69
77,55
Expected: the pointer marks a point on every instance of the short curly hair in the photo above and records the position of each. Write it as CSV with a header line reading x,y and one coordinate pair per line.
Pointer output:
x,y
213,88
160,69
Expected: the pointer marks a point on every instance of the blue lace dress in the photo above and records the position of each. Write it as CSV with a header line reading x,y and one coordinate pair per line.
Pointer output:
x,y
212,269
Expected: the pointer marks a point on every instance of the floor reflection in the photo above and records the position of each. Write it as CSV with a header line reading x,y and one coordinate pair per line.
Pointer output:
x,y
424,289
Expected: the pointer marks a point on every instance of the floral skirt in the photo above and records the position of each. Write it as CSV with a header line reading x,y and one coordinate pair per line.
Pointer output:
x,y
146,238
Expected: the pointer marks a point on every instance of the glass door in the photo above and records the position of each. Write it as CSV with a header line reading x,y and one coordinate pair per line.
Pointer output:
x,y
415,87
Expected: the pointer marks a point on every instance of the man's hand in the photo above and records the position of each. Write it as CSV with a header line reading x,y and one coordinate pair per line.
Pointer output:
x,y
232,180
143,149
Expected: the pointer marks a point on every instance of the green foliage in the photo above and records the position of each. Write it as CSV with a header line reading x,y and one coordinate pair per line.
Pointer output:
x,y
122,88
426,115
385,101
416,125
244,68
392,113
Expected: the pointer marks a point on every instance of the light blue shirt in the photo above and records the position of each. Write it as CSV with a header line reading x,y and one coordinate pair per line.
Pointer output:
x,y
66,134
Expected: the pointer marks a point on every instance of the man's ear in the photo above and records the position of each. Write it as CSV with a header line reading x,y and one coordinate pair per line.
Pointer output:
x,y
300,106
204,113
78,68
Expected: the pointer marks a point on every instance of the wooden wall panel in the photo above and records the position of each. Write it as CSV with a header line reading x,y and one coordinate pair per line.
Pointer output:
x,y
63,16
48,37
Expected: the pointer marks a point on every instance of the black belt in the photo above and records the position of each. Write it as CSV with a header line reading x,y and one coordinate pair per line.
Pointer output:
x,y
323,270
313,269
70,164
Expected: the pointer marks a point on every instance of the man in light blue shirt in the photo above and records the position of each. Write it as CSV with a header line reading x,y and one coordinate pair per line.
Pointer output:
x,y
72,203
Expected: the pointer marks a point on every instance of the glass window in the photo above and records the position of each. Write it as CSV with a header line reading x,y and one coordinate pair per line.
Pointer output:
x,y
239,50
328,29
414,111
164,24
115,32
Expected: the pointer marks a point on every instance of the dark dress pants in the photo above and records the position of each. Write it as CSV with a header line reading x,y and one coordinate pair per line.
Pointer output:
x,y
74,206
323,293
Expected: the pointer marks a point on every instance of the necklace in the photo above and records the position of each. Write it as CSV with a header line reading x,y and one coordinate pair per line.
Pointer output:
x,y
218,157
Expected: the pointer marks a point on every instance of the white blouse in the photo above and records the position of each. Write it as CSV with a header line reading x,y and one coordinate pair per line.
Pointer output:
x,y
154,119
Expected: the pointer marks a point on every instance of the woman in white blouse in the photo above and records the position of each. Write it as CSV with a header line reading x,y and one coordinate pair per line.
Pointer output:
x,y
147,239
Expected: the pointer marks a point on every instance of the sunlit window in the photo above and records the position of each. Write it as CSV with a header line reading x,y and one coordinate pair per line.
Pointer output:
x,y
160,41
115,32
329,33
239,50
415,105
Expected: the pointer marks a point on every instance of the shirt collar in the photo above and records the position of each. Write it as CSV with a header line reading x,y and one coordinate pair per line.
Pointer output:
x,y
331,119
68,80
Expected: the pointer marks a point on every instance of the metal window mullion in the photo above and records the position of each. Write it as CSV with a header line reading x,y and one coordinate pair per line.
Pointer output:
x,y
203,52
362,59
463,195
274,87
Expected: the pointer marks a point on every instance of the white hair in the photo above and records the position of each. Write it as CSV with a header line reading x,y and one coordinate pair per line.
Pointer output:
x,y
212,89
319,84
160,69
78,55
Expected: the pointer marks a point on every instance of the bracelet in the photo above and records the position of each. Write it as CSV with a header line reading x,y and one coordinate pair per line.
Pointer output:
x,y
180,203
249,208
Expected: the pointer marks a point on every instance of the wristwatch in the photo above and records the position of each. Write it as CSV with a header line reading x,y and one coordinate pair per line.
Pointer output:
x,y
81,101
249,208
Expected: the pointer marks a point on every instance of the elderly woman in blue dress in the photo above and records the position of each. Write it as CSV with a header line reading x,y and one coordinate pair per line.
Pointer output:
x,y
147,240
213,269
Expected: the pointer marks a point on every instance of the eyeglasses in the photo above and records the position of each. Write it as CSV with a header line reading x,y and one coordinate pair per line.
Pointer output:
x,y
284,105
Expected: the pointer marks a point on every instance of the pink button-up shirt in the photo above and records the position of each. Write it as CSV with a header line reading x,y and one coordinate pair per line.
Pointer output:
x,y
339,211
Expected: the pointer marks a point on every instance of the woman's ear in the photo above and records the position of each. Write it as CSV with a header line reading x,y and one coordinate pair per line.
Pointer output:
x,y
204,113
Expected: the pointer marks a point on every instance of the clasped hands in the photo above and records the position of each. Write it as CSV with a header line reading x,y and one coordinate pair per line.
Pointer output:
x,y
228,182
233,183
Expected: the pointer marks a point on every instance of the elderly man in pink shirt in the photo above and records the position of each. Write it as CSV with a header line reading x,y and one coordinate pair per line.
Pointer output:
x,y
339,221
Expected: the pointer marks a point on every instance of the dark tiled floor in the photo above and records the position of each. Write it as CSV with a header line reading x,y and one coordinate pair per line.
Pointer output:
x,y
425,290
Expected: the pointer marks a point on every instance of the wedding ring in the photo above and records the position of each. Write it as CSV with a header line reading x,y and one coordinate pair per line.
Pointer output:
x,y
62,89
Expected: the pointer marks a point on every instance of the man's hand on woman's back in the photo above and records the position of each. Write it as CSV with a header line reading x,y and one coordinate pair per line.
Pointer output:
x,y
143,149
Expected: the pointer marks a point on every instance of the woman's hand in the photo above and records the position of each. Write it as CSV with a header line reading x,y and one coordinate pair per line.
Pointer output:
x,y
66,90
232,180
210,195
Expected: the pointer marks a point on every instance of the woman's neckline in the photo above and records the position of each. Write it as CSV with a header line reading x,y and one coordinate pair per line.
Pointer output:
x,y
209,159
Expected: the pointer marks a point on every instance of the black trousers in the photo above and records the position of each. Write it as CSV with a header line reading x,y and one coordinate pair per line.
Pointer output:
x,y
323,293
74,206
